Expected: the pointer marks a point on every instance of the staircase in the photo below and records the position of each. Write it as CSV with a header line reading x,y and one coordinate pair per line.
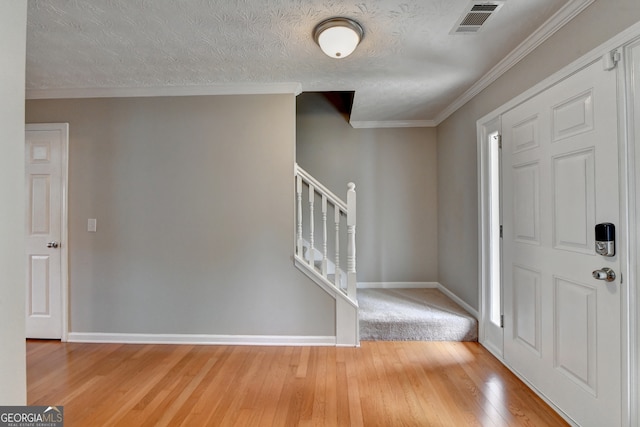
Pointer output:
x,y
418,314
329,258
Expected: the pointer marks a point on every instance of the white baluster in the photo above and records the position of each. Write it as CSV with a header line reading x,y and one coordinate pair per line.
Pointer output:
x,y
299,221
351,241
336,210
312,194
324,236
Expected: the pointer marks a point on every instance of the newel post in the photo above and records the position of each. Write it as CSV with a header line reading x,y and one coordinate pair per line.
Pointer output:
x,y
351,240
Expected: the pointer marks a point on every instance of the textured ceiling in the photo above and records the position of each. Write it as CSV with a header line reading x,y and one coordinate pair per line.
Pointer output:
x,y
407,68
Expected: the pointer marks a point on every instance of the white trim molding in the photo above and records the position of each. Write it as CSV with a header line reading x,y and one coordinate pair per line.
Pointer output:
x,y
128,92
458,301
590,57
397,285
631,62
546,30
201,339
379,124
488,335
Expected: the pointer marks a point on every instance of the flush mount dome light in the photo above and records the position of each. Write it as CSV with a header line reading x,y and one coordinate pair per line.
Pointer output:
x,y
338,37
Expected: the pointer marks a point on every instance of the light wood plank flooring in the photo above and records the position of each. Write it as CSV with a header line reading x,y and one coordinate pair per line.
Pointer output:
x,y
380,384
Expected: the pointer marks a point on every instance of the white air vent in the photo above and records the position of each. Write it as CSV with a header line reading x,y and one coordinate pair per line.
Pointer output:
x,y
475,16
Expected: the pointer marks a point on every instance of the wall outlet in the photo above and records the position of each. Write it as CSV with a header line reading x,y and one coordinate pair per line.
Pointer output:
x,y
92,224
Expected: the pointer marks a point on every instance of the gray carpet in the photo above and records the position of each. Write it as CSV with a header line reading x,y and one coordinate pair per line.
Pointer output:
x,y
413,315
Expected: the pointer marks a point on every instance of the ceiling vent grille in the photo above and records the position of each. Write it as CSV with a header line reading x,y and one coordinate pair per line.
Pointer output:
x,y
475,16
484,8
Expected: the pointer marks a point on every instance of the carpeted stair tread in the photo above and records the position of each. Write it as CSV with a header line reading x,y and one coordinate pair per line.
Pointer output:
x,y
413,315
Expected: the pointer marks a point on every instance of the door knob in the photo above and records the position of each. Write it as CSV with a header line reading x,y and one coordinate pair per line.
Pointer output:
x,y
52,244
605,274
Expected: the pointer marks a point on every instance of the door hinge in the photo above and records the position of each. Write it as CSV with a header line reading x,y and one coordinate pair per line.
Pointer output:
x,y
501,231
610,60
497,138
502,320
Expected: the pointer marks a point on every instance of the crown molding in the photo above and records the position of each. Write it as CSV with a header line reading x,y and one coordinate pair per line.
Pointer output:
x,y
546,30
127,92
364,124
596,54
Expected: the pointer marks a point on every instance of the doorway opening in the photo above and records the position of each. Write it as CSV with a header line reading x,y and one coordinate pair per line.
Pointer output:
x,y
46,242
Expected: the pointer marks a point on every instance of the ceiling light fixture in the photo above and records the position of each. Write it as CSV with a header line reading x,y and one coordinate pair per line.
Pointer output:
x,y
338,37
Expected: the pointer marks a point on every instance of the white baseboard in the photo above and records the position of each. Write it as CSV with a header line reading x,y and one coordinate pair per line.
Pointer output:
x,y
257,340
420,285
458,301
397,285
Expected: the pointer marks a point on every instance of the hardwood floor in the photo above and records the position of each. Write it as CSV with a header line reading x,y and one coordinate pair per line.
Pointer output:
x,y
379,384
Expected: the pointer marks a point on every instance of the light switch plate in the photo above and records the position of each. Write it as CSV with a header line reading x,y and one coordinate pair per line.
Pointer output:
x,y
92,223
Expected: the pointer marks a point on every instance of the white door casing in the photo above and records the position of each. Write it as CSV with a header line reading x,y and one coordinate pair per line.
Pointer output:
x,y
632,73
491,302
46,230
560,167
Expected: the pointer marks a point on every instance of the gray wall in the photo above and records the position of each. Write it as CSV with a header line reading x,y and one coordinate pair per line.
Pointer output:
x,y
395,175
193,198
457,171
13,42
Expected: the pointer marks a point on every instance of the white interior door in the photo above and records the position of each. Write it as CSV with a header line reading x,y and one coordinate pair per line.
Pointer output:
x,y
45,166
562,328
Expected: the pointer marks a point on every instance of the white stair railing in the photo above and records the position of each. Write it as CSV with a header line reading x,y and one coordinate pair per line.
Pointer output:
x,y
336,270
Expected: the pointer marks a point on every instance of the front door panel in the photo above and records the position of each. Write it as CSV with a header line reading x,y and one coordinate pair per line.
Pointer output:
x,y
560,169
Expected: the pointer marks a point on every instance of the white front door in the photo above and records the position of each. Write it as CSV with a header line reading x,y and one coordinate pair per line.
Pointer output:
x,y
45,156
562,328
